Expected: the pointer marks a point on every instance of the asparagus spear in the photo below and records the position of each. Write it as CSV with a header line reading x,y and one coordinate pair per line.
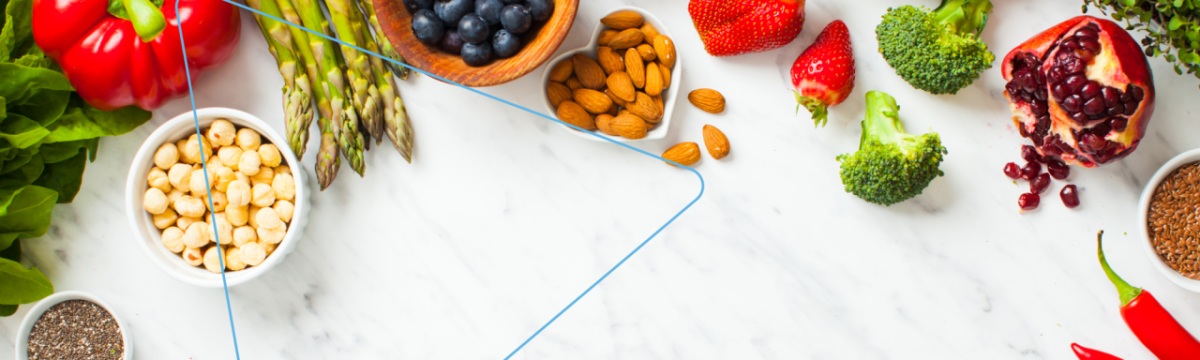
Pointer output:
x,y
328,161
397,126
385,46
343,119
297,90
365,92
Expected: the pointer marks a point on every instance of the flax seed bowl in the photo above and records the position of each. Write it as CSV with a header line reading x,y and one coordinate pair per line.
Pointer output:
x,y
92,322
1169,220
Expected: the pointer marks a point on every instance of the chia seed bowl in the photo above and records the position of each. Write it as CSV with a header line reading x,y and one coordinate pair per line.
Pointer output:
x,y
41,307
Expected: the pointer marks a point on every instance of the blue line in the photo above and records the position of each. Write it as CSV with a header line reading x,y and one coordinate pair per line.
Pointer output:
x,y
208,186
509,103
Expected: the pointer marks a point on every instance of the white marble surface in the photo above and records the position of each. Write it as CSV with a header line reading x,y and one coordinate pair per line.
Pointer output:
x,y
503,218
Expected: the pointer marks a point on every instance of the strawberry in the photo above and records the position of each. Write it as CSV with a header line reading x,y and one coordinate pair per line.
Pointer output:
x,y
734,27
824,73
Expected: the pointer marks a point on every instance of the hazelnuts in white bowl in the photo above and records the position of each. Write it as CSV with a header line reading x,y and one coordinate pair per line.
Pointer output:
x,y
256,212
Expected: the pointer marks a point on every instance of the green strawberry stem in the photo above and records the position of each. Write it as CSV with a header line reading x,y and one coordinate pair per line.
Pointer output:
x,y
818,108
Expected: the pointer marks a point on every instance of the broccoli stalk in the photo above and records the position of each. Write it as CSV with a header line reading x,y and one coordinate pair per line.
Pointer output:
x,y
937,51
891,165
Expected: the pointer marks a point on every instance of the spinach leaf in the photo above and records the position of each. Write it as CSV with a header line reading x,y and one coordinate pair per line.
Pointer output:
x,y
24,212
29,172
18,16
65,177
55,152
81,122
17,82
19,285
21,131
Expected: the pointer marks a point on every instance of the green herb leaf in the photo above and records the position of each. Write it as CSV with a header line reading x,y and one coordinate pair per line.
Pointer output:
x,y
25,213
13,252
65,177
19,285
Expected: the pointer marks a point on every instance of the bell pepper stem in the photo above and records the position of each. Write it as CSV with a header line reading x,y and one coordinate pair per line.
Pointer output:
x,y
1127,292
147,19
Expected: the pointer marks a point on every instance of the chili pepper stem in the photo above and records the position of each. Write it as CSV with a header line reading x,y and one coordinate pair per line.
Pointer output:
x,y
1127,292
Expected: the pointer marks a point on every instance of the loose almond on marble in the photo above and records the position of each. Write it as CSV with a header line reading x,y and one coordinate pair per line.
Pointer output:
x,y
593,101
622,20
635,68
685,154
610,60
561,71
573,114
715,142
588,71
664,48
708,100
629,126
557,92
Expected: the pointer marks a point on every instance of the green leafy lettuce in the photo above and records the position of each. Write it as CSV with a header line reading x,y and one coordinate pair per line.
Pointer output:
x,y
48,134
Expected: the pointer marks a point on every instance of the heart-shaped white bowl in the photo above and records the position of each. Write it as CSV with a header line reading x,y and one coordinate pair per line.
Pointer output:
x,y
670,95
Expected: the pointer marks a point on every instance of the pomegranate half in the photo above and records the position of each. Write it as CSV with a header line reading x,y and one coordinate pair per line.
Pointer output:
x,y
1082,91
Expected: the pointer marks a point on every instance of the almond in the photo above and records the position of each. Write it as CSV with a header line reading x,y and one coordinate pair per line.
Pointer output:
x,y
557,92
613,110
616,100
666,75
654,80
604,123
626,39
685,154
629,126
658,101
664,48
716,142
593,101
649,32
610,60
573,83
606,36
561,71
646,51
645,108
573,114
622,20
708,100
635,68
589,72
621,86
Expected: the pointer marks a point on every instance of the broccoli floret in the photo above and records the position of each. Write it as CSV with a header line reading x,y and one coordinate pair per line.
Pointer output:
x,y
891,165
939,51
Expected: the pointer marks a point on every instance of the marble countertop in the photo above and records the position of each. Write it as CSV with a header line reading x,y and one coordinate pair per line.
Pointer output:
x,y
503,218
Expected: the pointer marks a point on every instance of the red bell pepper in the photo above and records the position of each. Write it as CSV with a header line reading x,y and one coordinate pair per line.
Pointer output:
x,y
1153,325
1091,354
125,52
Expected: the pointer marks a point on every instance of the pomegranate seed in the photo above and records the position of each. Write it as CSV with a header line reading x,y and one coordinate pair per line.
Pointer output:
x,y
1039,184
1030,154
1085,33
1031,170
1069,196
1119,124
1029,201
1057,169
1111,96
1012,170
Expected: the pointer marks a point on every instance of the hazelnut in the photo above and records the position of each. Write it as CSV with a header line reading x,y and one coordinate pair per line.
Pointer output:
x,y
221,132
233,259
166,219
283,169
174,196
193,256
272,236
157,178
212,260
269,154
248,139
252,219
172,238
179,146
224,177
190,206
196,235
218,202
185,221
180,177
198,184
198,149
166,156
224,230
267,218
243,235
253,253
155,202
237,215
284,186
238,193
264,195
264,176
230,155
285,209
249,162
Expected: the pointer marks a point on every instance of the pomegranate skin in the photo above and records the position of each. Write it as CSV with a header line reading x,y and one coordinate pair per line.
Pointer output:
x,y
1118,65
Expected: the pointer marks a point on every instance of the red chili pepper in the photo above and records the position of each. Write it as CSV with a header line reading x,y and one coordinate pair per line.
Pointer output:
x,y
123,52
1152,324
1091,354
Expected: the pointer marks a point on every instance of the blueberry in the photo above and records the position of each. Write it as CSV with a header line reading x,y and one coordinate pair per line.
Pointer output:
x,y
489,10
451,43
506,44
541,9
512,1
477,55
450,11
516,18
427,27
414,5
473,29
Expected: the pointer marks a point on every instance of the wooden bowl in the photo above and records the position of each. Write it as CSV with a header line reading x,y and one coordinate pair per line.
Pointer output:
x,y
540,42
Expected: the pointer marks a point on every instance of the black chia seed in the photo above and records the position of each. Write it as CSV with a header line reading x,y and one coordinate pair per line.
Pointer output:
x,y
76,329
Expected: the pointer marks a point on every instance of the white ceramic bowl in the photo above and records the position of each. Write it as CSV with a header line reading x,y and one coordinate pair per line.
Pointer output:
x,y
150,238
671,93
1144,214
40,307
